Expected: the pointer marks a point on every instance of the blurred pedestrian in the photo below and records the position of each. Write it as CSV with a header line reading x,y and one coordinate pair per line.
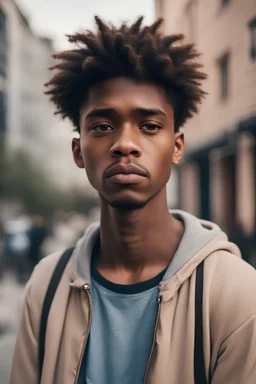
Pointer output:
x,y
37,235
1,248
148,296
15,245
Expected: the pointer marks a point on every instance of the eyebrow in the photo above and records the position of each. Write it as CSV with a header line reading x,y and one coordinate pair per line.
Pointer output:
x,y
149,112
101,112
110,112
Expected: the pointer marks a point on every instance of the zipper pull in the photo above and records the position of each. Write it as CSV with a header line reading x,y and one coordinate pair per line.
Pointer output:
x,y
159,297
86,287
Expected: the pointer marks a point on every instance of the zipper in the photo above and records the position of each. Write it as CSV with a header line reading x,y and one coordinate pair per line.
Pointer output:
x,y
159,301
85,288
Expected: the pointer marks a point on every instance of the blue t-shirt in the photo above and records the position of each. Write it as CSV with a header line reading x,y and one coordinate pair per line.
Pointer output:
x,y
121,335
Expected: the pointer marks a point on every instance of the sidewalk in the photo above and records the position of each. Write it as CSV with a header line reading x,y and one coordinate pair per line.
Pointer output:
x,y
7,343
11,299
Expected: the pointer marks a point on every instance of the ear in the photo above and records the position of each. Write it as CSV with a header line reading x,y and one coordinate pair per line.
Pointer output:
x,y
77,154
178,147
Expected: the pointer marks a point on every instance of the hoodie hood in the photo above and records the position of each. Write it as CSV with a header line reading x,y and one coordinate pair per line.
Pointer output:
x,y
200,239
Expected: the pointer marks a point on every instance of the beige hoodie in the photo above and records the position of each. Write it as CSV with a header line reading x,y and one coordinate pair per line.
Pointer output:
x,y
229,314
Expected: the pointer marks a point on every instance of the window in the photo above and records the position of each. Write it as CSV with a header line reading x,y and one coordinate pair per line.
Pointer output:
x,y
224,2
3,44
224,75
2,114
252,26
2,23
161,7
229,191
192,19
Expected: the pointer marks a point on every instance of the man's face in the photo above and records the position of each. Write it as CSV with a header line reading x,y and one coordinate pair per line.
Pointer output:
x,y
127,142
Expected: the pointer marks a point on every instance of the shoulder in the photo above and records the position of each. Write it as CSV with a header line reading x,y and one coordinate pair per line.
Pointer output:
x,y
35,291
38,283
230,285
227,270
45,268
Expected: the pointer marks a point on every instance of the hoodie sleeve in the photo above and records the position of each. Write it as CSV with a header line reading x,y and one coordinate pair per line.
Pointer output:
x,y
237,358
24,365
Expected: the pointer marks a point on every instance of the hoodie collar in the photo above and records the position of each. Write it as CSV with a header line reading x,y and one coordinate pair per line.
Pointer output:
x,y
199,240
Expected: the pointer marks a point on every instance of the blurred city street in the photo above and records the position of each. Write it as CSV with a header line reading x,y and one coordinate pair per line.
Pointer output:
x,y
11,298
47,202
63,235
6,350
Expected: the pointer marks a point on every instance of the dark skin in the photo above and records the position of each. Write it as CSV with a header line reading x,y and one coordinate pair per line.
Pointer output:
x,y
130,123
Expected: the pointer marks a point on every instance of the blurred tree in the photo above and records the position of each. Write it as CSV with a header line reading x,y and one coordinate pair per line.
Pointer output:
x,y
25,181
78,202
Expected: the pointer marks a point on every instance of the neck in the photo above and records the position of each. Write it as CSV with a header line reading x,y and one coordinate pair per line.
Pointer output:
x,y
135,239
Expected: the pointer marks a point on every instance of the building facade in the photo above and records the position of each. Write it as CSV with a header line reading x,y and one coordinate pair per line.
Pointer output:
x,y
27,120
3,75
24,59
218,175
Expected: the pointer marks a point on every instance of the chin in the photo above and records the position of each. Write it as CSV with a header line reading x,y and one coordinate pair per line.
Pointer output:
x,y
127,202
127,205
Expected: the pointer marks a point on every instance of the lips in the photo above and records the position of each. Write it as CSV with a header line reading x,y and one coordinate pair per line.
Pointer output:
x,y
125,169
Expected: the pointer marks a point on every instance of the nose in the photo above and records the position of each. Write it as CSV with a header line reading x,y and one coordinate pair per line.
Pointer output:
x,y
125,144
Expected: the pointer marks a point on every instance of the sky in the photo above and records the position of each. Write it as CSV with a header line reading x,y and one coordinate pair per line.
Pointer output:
x,y
55,18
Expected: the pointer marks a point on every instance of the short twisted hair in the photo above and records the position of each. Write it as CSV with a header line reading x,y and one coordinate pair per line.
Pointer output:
x,y
139,52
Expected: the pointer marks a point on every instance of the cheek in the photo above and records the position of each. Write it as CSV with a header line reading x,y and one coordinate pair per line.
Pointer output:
x,y
88,155
162,162
93,160
166,167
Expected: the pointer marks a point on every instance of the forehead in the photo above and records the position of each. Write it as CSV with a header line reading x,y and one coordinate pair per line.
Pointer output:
x,y
124,94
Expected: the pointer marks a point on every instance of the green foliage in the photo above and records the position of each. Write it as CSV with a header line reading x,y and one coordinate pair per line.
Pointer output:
x,y
77,202
24,180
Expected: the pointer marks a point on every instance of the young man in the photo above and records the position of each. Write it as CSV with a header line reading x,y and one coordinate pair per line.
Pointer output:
x,y
124,310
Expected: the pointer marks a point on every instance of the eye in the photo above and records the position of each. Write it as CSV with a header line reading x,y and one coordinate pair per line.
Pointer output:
x,y
102,128
151,127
